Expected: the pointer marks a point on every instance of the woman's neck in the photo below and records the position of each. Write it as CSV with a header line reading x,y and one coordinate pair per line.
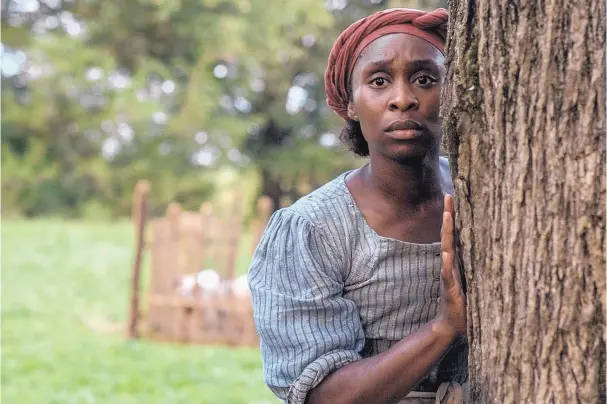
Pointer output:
x,y
405,185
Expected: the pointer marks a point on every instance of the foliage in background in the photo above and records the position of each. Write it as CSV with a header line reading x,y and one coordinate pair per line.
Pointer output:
x,y
99,94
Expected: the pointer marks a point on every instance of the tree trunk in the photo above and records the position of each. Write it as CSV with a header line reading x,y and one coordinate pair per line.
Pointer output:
x,y
271,188
524,118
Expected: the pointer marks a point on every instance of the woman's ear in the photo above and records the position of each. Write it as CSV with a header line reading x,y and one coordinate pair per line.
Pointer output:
x,y
352,112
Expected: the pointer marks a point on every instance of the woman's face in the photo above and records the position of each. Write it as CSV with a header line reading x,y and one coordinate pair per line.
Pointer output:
x,y
396,87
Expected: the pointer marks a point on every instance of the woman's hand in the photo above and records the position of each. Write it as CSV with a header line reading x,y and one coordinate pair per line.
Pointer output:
x,y
451,316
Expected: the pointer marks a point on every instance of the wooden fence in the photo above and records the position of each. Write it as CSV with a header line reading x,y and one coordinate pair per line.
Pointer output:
x,y
194,295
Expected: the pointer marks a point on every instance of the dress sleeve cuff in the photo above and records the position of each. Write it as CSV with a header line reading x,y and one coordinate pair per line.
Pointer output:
x,y
316,371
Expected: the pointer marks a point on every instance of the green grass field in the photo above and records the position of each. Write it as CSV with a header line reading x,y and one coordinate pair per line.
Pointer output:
x,y
64,307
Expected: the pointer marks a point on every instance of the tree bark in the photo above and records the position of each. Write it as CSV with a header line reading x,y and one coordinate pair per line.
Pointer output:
x,y
524,120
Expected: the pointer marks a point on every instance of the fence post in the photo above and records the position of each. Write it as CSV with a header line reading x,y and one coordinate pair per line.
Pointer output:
x,y
138,216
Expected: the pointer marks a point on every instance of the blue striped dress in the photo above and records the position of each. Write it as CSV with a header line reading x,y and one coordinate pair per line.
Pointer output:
x,y
328,291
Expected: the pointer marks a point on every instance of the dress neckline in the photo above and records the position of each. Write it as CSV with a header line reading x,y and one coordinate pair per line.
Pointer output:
x,y
355,209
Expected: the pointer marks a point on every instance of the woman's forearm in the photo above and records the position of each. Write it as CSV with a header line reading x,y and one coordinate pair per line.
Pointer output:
x,y
389,376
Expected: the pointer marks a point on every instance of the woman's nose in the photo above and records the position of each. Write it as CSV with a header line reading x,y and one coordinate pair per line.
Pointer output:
x,y
403,98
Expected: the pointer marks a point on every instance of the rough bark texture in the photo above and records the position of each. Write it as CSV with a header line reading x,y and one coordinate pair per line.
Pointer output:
x,y
524,111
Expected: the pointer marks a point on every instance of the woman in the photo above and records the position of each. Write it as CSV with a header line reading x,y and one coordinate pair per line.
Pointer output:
x,y
349,297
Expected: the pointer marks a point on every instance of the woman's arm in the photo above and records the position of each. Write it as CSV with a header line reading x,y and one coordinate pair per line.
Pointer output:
x,y
391,375
306,327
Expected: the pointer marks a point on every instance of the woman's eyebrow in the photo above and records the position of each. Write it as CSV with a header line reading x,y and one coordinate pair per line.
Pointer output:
x,y
424,64
376,65
385,64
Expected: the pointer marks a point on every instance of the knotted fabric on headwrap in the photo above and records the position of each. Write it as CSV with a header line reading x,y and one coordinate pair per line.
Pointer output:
x,y
430,26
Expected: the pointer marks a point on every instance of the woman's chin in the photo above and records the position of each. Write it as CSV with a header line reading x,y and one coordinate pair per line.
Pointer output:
x,y
407,151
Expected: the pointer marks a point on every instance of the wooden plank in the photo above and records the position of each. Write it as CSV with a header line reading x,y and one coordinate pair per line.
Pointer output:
x,y
165,255
234,237
139,214
199,250
159,253
174,301
206,212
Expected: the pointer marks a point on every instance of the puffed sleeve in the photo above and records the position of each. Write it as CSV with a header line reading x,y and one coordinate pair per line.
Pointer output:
x,y
307,328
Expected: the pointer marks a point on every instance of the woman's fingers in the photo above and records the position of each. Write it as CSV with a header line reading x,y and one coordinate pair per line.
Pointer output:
x,y
447,233
450,270
448,204
447,252
452,305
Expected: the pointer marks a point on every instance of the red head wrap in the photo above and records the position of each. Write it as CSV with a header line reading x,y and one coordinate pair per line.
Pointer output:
x,y
430,26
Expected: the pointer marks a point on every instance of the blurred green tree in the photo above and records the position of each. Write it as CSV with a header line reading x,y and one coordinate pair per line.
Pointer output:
x,y
98,94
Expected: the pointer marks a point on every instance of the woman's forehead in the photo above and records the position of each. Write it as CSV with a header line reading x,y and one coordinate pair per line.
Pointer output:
x,y
404,47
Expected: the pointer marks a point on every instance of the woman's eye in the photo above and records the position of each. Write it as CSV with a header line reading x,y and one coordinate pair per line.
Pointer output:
x,y
425,81
379,81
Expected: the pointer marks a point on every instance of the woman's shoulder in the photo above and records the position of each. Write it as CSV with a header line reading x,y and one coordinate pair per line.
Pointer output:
x,y
326,215
327,206
316,224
